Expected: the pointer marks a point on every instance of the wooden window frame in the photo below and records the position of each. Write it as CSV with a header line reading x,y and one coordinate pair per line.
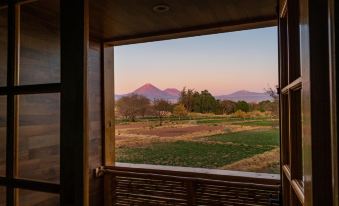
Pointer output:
x,y
73,187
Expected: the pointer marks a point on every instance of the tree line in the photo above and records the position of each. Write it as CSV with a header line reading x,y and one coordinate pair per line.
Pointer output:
x,y
135,105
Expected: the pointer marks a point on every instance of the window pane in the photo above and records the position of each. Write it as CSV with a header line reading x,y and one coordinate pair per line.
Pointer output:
x,y
3,112
39,137
2,196
34,198
40,43
3,47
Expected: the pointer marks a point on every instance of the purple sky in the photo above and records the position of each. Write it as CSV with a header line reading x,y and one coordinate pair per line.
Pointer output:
x,y
220,63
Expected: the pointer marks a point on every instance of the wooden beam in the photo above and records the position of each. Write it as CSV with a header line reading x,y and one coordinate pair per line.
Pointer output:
x,y
108,105
12,116
30,185
31,89
195,31
74,178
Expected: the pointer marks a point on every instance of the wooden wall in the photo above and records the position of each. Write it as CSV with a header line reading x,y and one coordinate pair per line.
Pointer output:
x,y
95,122
3,72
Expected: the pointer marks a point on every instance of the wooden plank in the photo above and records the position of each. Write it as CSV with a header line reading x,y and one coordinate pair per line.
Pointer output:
x,y
316,102
333,24
74,135
295,85
194,31
108,105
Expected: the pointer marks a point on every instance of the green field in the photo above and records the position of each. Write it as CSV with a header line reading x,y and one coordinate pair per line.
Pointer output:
x,y
208,152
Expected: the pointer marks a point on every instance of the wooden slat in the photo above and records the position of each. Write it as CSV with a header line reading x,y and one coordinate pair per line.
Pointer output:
x,y
158,188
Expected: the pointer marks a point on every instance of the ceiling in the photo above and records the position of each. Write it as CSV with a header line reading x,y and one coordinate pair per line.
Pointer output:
x,y
133,21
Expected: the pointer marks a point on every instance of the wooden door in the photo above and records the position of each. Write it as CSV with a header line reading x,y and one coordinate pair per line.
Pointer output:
x,y
290,96
305,103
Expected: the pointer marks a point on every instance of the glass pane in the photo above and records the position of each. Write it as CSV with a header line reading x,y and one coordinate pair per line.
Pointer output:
x,y
39,137
2,196
3,117
3,47
40,43
34,198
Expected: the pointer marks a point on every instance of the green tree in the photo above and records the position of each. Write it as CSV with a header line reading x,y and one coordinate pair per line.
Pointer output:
x,y
243,106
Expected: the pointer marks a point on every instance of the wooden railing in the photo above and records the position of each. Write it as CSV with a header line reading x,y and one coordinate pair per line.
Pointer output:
x,y
154,186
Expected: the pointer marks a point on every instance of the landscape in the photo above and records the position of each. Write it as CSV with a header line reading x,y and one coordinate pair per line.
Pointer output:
x,y
189,128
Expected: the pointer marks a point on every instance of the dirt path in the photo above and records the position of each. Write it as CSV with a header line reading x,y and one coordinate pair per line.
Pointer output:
x,y
257,163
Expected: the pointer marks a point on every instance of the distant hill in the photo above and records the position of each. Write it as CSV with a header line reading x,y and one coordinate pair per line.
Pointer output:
x,y
171,94
151,92
247,96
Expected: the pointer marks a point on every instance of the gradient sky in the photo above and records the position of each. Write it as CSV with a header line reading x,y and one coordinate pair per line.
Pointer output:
x,y
221,63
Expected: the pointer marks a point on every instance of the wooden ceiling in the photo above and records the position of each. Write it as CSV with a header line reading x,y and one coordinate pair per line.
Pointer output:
x,y
133,21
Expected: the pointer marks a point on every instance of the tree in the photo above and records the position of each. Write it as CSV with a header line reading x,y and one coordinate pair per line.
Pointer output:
x,y
186,98
180,111
161,107
132,105
275,97
243,106
227,106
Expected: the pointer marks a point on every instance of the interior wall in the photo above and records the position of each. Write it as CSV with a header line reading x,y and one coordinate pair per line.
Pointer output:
x,y
95,122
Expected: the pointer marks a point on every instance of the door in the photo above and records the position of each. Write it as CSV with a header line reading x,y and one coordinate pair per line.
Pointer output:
x,y
304,69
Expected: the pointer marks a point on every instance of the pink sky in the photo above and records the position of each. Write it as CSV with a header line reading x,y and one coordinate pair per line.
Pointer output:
x,y
221,63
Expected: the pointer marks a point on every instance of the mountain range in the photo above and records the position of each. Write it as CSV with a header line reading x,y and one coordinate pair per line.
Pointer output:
x,y
171,94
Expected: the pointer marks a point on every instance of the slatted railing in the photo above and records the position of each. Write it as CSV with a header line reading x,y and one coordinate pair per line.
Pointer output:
x,y
153,187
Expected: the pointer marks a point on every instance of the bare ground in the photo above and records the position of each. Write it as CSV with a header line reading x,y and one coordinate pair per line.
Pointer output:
x,y
141,134
257,163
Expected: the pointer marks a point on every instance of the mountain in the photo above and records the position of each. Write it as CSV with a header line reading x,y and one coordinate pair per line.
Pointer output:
x,y
247,96
173,92
151,92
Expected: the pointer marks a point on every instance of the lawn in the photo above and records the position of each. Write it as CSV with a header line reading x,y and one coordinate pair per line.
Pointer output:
x,y
190,154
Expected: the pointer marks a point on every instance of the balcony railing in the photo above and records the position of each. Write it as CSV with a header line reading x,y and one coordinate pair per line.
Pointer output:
x,y
131,184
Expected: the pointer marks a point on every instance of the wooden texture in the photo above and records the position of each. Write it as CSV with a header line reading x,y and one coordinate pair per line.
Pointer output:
x,y
151,187
74,119
108,85
95,147
135,19
333,25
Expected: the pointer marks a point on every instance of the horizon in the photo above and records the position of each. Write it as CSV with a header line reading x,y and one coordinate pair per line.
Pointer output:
x,y
163,89
220,63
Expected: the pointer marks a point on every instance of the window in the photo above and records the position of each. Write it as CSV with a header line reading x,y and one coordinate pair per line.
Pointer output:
x,y
201,102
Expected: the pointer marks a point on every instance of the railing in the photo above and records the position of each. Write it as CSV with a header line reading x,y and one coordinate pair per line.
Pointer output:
x,y
158,186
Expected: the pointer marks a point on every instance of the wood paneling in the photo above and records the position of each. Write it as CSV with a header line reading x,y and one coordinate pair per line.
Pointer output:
x,y
95,113
135,19
3,47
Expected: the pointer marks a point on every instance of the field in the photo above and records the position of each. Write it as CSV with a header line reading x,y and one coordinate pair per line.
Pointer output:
x,y
206,141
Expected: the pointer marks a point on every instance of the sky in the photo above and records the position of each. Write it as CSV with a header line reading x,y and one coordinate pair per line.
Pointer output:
x,y
221,63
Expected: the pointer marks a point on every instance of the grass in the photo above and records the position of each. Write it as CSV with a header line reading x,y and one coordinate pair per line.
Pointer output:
x,y
258,123
190,154
252,137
